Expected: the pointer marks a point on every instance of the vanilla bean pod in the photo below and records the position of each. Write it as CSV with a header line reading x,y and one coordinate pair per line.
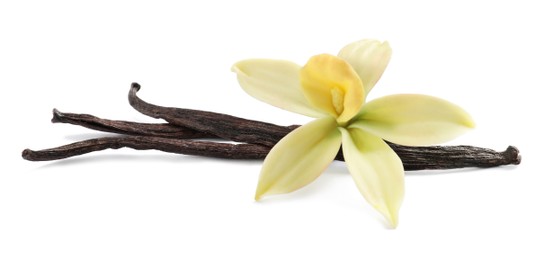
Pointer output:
x,y
127,127
413,158
225,126
188,147
453,157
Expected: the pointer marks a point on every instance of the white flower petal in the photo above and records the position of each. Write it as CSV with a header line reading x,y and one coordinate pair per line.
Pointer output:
x,y
411,119
275,82
368,58
377,171
299,158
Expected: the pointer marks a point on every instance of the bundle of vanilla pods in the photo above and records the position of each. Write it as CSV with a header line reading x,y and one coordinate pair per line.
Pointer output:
x,y
195,132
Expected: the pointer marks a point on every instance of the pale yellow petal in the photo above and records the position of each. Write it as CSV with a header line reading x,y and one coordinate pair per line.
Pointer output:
x,y
275,82
299,158
368,58
377,171
330,84
411,119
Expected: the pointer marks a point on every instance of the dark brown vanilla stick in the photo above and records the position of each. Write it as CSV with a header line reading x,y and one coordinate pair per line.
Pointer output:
x,y
413,158
127,127
225,126
453,157
188,147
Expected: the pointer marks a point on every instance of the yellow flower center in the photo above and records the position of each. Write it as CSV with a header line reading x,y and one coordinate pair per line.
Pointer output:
x,y
331,85
337,96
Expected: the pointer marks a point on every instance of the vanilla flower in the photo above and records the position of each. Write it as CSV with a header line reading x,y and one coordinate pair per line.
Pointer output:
x,y
334,89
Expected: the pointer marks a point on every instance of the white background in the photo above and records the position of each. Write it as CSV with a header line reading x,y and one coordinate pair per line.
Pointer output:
x,y
125,204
